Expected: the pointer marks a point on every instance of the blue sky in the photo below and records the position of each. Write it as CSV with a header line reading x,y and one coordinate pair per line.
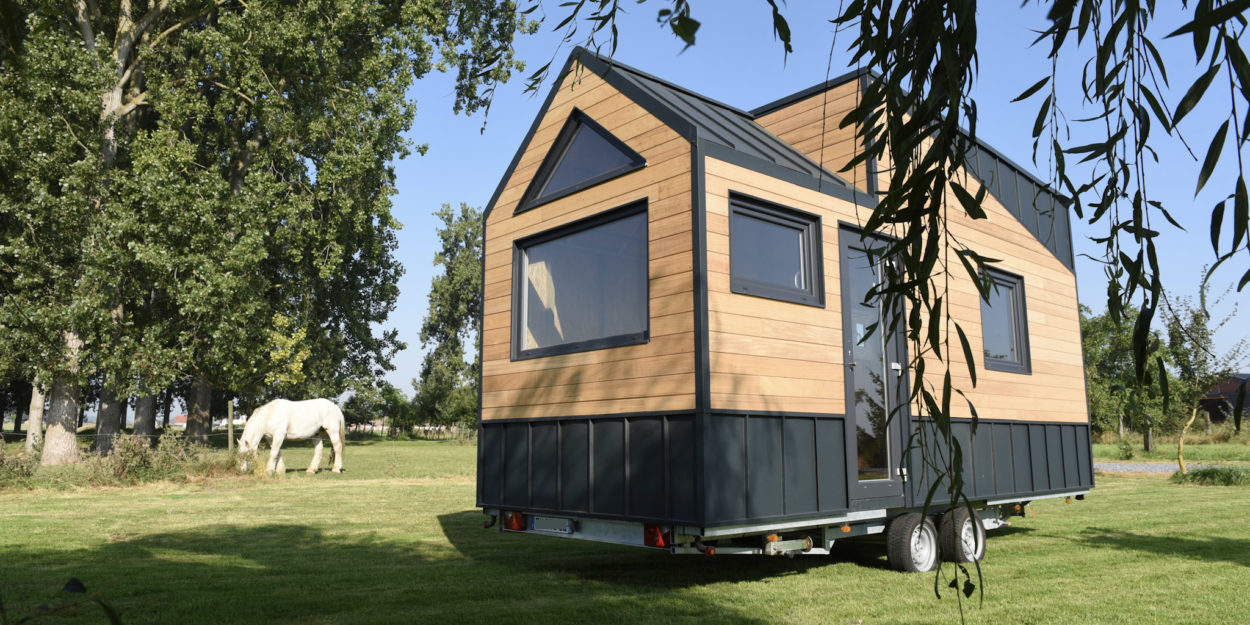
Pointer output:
x,y
737,61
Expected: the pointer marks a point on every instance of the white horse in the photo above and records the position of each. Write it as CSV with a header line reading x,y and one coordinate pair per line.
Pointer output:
x,y
281,419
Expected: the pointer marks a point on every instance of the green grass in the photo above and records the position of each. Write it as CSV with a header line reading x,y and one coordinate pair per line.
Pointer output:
x,y
1194,452
1215,476
396,539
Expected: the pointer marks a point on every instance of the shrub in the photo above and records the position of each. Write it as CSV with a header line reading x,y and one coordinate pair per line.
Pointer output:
x,y
1215,476
1127,449
134,460
16,468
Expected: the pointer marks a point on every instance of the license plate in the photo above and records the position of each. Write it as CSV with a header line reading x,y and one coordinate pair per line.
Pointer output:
x,y
549,524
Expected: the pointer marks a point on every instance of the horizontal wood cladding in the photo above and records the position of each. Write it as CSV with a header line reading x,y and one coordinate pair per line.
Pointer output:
x,y
650,377
812,126
768,354
795,351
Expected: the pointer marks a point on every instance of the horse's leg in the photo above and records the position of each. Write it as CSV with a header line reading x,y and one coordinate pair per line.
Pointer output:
x,y
336,445
316,459
276,464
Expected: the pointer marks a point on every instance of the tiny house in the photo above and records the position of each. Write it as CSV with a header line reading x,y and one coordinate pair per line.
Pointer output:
x,y
673,306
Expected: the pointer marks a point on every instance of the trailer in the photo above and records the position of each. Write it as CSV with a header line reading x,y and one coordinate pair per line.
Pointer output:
x,y
673,327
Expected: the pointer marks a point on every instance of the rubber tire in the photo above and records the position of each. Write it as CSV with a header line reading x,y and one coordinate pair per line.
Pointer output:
x,y
902,532
951,536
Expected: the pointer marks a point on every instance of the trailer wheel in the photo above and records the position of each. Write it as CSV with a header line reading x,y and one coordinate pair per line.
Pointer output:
x,y
911,543
962,536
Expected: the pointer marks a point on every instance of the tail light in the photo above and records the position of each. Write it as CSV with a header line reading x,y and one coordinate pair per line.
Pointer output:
x,y
514,521
653,536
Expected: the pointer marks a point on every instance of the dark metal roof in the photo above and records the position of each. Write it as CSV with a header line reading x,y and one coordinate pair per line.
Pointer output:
x,y
711,121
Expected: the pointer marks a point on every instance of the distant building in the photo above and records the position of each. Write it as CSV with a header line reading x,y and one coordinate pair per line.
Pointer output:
x,y
1222,399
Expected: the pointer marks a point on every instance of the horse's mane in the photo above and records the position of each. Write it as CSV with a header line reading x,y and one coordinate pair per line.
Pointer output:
x,y
254,428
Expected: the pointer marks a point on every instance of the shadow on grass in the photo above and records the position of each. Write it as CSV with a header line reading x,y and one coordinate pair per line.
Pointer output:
x,y
290,573
637,567
1208,548
1009,530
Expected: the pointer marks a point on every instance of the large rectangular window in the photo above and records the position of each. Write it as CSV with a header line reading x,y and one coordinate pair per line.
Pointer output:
x,y
1004,325
774,252
582,286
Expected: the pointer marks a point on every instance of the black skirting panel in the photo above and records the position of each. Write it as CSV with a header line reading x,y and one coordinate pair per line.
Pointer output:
x,y
756,468
1004,459
638,468
772,467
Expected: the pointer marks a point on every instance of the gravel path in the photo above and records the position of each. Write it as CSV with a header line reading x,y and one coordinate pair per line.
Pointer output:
x,y
1142,467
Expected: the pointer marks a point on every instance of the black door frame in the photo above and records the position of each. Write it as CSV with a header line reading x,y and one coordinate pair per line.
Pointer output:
x,y
886,492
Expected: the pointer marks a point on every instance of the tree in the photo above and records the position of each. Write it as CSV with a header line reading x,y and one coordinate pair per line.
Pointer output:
x,y
1192,352
1116,399
215,184
380,401
447,391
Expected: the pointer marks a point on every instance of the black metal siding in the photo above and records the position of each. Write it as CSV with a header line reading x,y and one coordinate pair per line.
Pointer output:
x,y
1006,459
575,466
545,475
765,468
800,470
773,467
639,467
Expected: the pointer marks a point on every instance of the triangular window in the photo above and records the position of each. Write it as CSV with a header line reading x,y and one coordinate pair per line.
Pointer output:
x,y
583,155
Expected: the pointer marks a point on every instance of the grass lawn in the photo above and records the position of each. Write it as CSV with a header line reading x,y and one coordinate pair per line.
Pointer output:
x,y
396,539
1207,453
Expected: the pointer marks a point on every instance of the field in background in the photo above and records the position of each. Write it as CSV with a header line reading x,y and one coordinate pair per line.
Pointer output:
x,y
1236,451
396,539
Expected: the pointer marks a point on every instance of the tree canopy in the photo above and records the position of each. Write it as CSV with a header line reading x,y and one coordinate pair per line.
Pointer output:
x,y
211,184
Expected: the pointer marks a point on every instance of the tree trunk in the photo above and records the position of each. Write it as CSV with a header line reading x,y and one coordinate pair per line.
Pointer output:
x,y
1148,442
145,417
34,425
1119,425
108,421
230,425
1206,414
167,403
1180,443
17,418
4,405
199,417
60,445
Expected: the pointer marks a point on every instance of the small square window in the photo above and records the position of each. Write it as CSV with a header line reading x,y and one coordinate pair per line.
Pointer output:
x,y
774,252
582,286
1004,325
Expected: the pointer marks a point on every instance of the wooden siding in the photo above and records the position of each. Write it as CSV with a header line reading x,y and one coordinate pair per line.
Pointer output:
x,y
657,376
811,125
780,356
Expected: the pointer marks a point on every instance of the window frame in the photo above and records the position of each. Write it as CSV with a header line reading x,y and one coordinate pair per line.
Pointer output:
x,y
555,155
813,260
1020,321
519,284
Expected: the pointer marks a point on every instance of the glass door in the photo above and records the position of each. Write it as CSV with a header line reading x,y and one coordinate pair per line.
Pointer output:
x,y
873,364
